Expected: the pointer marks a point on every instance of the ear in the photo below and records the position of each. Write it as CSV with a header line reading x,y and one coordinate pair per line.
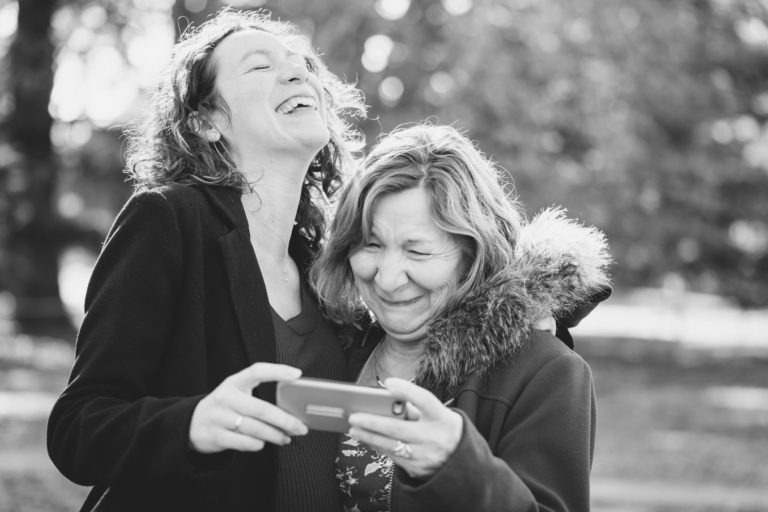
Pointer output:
x,y
203,128
193,123
212,135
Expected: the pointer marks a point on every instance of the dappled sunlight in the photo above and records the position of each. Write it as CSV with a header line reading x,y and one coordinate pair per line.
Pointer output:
x,y
75,266
25,405
693,319
738,398
92,78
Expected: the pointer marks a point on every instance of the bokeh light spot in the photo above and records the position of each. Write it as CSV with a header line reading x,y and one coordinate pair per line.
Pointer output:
x,y
457,7
392,9
378,49
391,90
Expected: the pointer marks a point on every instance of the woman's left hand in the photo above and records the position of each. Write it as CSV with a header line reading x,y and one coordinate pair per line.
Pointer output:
x,y
421,443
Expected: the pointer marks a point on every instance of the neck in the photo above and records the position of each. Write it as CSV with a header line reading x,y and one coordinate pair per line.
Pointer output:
x,y
273,199
398,358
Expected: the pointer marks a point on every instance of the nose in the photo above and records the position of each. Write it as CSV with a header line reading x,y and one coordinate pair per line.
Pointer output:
x,y
390,274
295,71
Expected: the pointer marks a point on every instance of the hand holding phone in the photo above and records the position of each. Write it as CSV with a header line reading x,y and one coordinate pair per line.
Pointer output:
x,y
326,404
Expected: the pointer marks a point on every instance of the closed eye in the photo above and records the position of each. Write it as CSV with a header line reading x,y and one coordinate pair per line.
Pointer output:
x,y
311,64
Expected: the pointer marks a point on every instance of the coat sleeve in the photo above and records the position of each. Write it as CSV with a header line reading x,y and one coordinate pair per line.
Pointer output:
x,y
543,458
107,426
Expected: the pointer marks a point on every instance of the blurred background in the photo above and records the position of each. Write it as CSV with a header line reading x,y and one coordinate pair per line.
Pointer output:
x,y
646,119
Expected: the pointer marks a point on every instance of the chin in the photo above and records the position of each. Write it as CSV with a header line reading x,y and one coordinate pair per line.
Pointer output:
x,y
410,335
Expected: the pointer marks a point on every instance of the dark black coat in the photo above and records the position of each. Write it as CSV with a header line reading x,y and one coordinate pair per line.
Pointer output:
x,y
176,303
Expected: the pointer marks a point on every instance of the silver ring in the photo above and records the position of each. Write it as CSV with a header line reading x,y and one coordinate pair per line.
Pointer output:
x,y
238,422
403,450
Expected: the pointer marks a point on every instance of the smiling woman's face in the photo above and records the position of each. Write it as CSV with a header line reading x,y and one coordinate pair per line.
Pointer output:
x,y
409,268
276,101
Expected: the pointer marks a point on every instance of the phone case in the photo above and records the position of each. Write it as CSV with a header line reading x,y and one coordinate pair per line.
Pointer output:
x,y
326,404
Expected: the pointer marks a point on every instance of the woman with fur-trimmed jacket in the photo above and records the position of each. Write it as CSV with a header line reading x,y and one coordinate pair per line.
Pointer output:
x,y
500,414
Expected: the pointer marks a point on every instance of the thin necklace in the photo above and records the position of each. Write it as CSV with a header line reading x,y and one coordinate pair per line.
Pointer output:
x,y
375,357
377,369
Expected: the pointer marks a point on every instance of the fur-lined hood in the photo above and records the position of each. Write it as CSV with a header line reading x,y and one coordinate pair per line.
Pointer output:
x,y
559,265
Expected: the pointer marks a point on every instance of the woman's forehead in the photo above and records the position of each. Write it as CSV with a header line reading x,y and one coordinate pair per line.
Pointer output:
x,y
240,45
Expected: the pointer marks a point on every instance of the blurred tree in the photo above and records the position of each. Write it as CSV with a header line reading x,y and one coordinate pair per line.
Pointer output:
x,y
33,233
648,120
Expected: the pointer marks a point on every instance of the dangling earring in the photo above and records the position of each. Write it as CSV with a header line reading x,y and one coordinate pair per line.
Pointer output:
x,y
213,135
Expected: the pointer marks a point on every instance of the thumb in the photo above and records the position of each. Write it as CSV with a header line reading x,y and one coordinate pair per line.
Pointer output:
x,y
257,373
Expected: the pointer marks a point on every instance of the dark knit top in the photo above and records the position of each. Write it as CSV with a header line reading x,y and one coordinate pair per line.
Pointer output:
x,y
305,467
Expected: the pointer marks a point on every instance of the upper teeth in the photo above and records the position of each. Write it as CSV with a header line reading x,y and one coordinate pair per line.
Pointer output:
x,y
290,105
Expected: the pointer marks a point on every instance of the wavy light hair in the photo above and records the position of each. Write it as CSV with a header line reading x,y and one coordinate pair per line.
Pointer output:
x,y
164,146
467,201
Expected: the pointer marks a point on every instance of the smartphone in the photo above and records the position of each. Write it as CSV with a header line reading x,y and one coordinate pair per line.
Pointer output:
x,y
326,404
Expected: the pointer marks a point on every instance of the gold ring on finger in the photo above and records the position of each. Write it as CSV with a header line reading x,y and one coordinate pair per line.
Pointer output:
x,y
403,450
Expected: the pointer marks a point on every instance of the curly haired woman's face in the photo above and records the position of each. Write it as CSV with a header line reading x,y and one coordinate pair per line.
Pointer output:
x,y
276,102
410,268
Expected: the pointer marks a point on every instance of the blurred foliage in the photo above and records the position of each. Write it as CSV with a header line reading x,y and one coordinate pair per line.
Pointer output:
x,y
646,119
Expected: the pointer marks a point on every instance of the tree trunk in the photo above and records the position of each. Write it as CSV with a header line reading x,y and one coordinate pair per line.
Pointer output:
x,y
33,240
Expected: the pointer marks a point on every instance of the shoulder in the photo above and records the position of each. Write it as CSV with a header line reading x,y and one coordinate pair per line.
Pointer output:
x,y
543,361
184,203
173,196
544,353
543,348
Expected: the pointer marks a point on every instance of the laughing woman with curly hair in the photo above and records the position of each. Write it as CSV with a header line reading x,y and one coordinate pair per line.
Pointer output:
x,y
198,302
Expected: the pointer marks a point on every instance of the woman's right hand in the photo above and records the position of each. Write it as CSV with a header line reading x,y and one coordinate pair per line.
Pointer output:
x,y
231,418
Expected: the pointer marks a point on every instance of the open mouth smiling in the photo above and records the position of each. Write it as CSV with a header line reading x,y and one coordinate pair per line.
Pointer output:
x,y
296,103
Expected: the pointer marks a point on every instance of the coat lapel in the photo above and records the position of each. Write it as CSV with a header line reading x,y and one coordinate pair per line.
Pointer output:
x,y
246,283
249,296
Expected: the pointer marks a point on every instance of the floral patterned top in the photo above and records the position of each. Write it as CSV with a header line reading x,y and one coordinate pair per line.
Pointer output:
x,y
364,476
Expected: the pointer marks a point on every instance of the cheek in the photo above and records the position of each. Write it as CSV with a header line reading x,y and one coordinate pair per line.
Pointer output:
x,y
363,266
441,279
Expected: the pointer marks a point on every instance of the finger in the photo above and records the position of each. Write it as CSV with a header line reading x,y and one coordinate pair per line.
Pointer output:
x,y
262,431
546,324
412,413
241,442
374,440
421,398
393,428
257,409
252,376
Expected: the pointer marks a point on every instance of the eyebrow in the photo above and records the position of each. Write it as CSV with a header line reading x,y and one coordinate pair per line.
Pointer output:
x,y
256,51
266,52
419,241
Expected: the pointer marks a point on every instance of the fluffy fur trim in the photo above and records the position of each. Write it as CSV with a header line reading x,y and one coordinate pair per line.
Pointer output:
x,y
558,265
